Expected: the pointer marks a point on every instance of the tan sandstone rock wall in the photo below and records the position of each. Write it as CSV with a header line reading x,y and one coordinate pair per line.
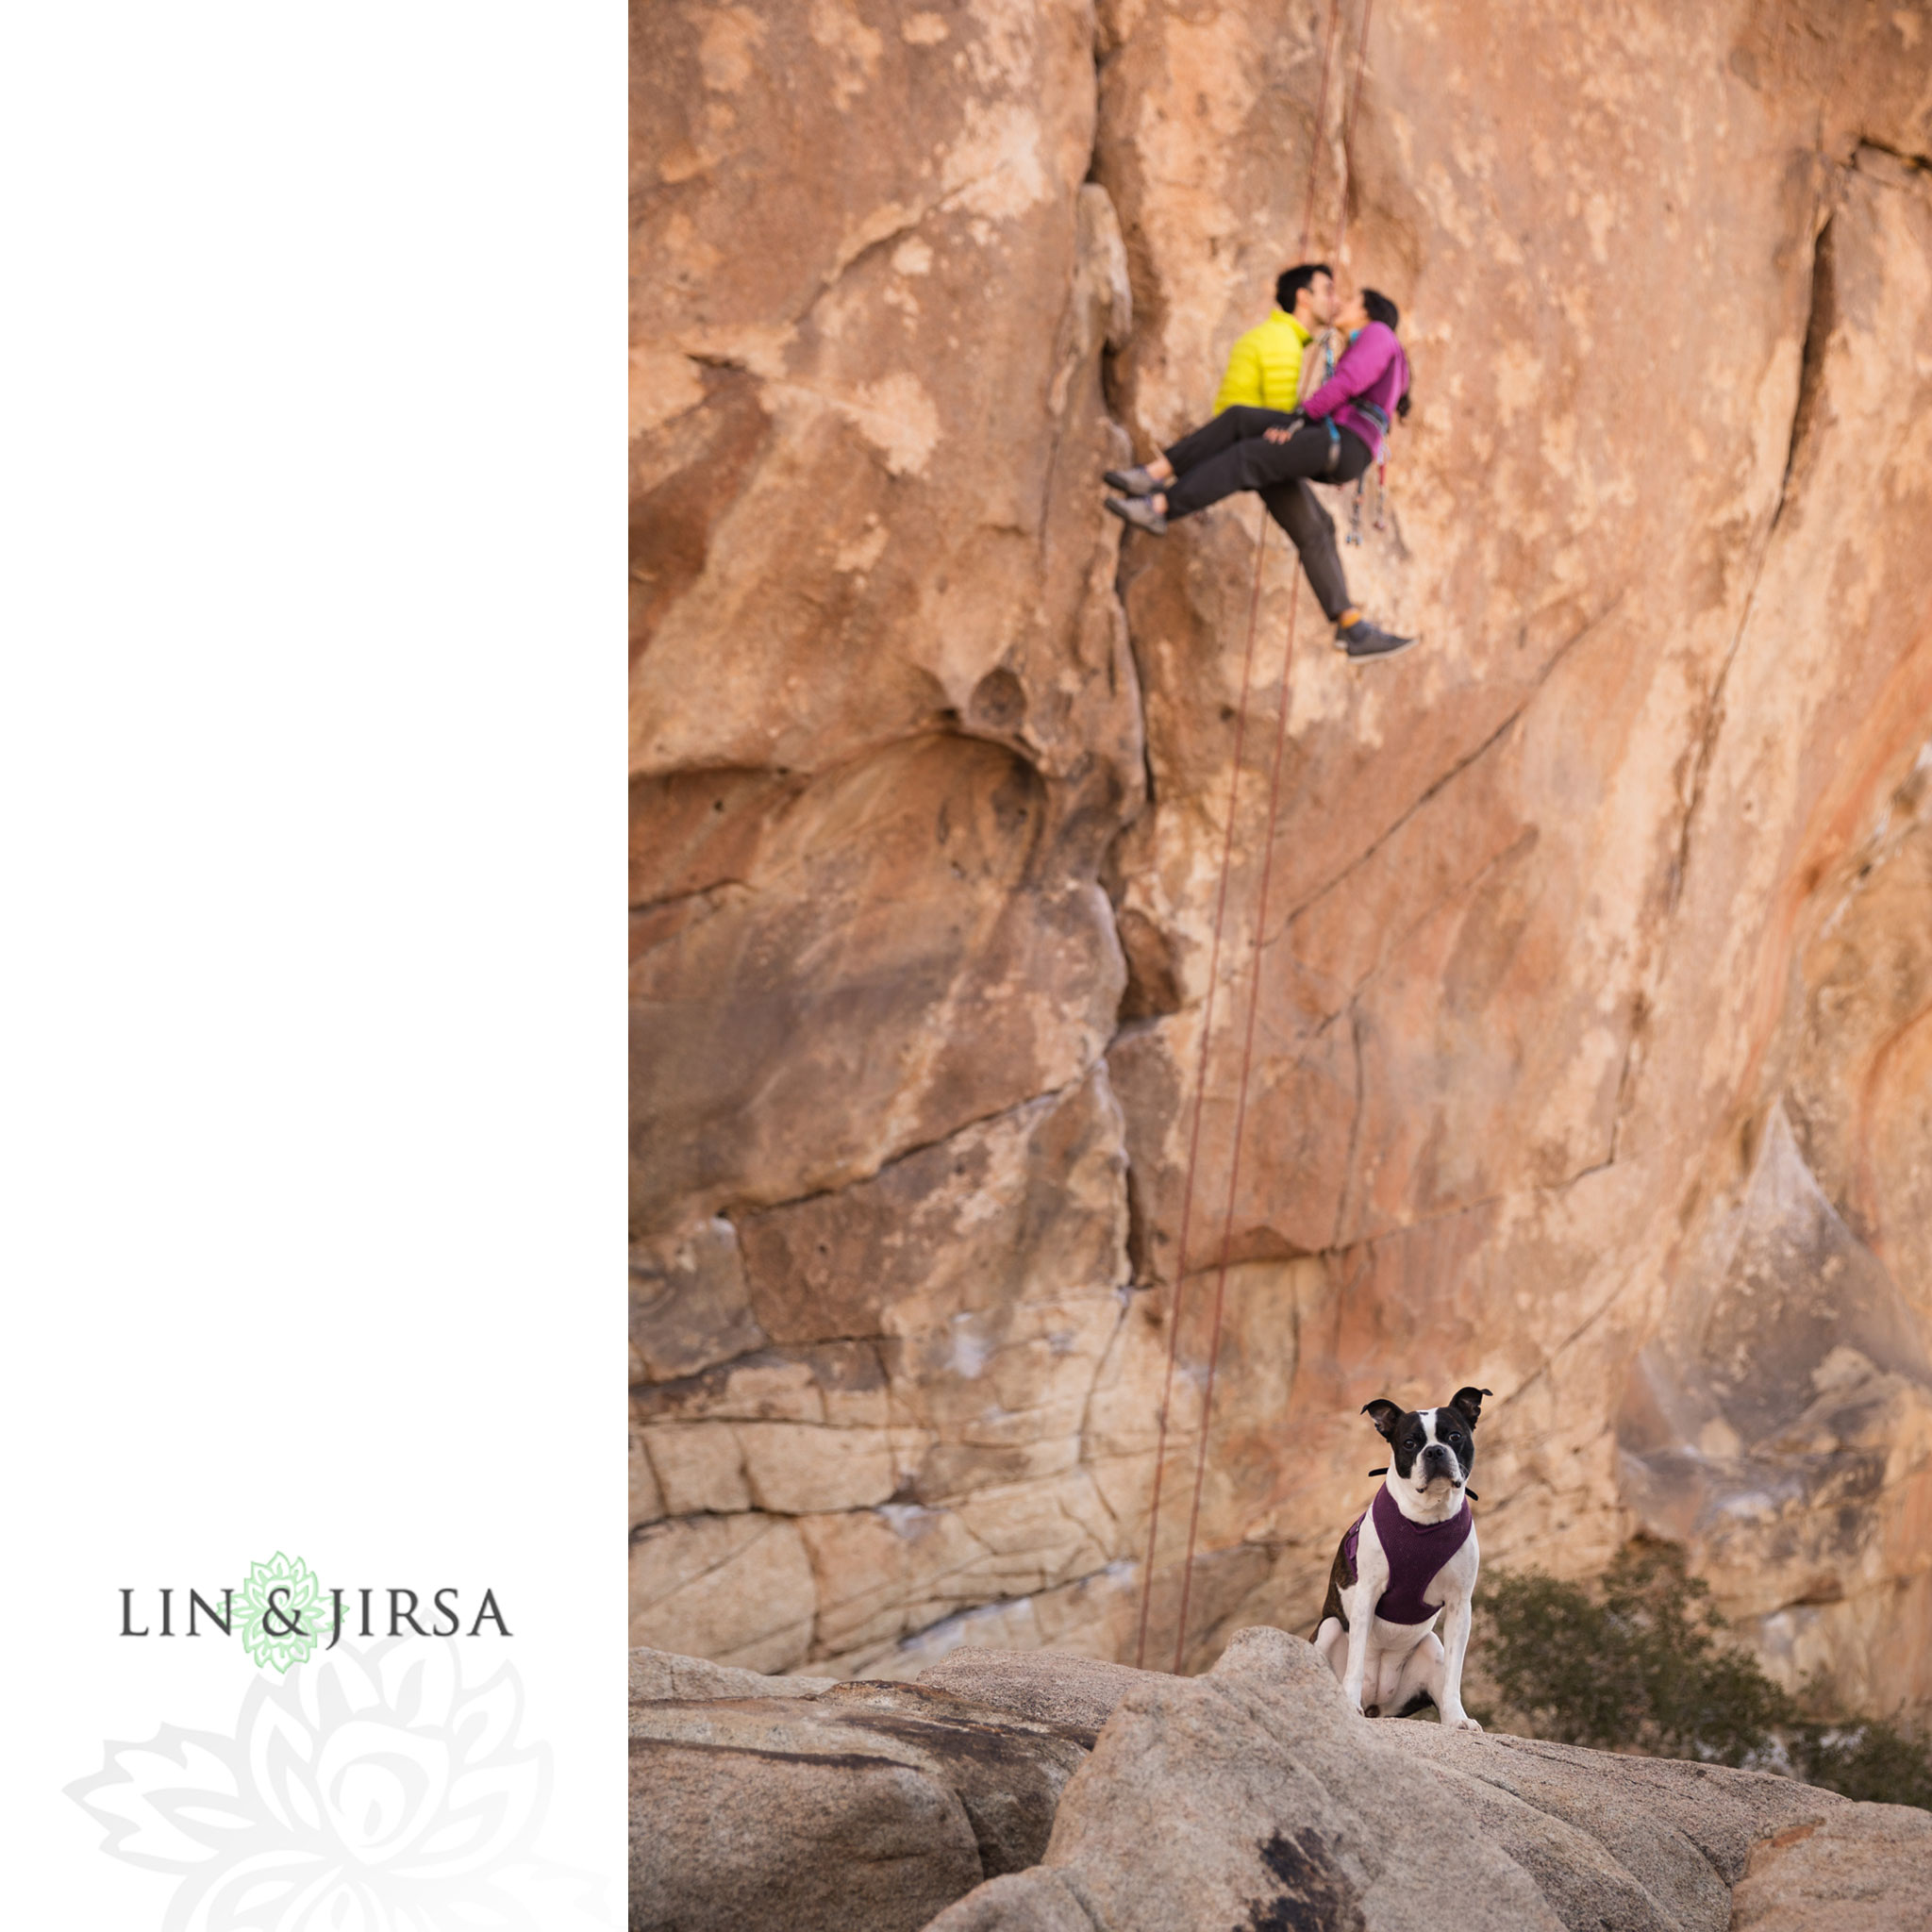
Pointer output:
x,y
1593,1056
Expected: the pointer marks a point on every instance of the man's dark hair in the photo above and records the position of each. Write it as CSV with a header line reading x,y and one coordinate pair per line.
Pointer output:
x,y
1380,308
1291,281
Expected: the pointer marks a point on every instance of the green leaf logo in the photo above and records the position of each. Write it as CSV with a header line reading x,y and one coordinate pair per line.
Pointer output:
x,y
280,1610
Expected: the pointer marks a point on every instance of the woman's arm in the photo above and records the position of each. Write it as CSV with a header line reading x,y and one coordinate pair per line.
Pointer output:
x,y
1362,361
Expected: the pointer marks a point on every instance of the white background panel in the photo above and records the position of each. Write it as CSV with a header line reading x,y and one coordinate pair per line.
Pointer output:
x,y
312,829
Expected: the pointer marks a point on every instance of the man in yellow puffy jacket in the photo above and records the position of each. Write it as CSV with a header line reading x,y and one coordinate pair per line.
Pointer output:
x,y
1264,372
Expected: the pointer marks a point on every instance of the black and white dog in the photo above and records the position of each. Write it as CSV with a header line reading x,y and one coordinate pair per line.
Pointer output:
x,y
1411,1556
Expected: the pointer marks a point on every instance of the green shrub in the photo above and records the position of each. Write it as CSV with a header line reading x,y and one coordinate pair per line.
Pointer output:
x,y
1874,1761
1640,1664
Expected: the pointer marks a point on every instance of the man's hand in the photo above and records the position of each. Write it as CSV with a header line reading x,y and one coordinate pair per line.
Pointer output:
x,y
1286,430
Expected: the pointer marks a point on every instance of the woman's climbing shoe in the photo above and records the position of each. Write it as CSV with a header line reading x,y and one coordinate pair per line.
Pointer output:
x,y
1362,640
1139,511
1135,482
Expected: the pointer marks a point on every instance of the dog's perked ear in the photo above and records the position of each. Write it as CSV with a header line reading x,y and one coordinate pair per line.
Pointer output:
x,y
1384,1414
1468,1404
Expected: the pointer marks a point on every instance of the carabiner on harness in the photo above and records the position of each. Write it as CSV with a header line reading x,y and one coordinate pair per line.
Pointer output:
x,y
1355,509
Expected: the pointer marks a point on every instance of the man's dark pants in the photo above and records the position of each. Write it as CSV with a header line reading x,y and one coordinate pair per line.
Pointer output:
x,y
1230,453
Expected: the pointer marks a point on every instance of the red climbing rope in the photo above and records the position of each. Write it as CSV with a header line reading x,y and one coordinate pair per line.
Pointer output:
x,y
1241,1111
1355,101
1320,118
1180,1265
1256,942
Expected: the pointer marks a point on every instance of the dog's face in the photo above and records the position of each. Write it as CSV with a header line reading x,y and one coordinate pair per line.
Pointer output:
x,y
1431,1447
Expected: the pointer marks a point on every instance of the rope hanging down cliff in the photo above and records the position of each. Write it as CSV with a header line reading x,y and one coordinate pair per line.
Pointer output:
x,y
1259,927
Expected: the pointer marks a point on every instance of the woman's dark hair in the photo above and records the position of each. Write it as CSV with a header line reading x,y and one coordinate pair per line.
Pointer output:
x,y
1383,310
1380,308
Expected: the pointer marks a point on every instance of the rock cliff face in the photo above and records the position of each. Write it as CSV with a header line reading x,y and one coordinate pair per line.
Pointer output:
x,y
1593,1051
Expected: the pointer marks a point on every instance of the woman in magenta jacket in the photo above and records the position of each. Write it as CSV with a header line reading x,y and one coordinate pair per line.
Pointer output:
x,y
1333,438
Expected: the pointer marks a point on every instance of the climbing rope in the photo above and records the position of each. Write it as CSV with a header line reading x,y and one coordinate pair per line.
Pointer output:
x,y
1240,1111
1355,101
1180,1272
1255,945
1321,122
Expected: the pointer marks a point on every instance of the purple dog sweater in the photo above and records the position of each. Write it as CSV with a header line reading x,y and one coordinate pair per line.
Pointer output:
x,y
1415,1551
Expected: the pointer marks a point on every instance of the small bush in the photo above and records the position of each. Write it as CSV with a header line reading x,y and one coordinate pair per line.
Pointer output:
x,y
1640,1664
1874,1761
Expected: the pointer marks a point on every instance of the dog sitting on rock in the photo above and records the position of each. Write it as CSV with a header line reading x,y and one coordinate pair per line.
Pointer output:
x,y
1408,1558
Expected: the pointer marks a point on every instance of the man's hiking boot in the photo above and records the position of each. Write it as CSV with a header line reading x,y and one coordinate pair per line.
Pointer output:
x,y
1139,511
1363,640
1135,482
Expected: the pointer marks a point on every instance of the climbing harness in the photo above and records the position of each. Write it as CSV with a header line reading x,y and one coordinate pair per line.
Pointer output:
x,y
1180,1264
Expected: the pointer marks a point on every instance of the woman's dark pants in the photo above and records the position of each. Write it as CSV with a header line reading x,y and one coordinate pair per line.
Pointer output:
x,y
1230,453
